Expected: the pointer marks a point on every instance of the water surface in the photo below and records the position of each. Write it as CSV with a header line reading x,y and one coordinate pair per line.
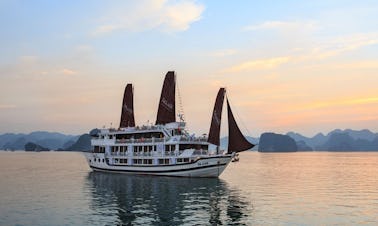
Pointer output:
x,y
312,188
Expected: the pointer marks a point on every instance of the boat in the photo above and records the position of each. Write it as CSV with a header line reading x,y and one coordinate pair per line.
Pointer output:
x,y
165,148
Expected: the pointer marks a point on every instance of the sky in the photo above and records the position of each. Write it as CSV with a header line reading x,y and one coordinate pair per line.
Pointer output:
x,y
304,66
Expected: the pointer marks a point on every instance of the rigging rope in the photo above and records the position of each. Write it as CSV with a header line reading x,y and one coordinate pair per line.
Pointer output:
x,y
238,116
181,108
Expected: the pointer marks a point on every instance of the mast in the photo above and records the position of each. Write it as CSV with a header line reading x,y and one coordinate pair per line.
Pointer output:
x,y
167,105
214,133
127,115
236,141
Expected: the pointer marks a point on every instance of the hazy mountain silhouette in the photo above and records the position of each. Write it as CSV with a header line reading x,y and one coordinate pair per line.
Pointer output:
x,y
82,144
272,142
302,146
50,140
30,146
340,140
336,140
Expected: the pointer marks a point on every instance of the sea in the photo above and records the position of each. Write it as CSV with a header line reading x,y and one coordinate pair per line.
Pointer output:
x,y
302,188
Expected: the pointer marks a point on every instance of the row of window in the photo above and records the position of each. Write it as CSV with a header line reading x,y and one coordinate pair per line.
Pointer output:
x,y
99,149
150,148
164,161
182,160
97,160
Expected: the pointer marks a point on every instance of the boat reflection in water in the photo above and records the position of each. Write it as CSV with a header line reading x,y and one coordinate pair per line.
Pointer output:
x,y
119,199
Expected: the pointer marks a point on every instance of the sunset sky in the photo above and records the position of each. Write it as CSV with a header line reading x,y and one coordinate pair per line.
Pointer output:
x,y
304,66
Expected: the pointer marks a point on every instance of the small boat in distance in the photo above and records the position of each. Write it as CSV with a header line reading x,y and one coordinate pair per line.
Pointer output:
x,y
166,148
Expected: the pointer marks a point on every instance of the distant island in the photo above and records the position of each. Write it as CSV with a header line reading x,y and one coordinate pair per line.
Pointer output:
x,y
336,140
45,141
272,142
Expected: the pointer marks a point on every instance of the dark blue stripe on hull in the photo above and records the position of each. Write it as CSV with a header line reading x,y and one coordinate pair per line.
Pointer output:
x,y
157,172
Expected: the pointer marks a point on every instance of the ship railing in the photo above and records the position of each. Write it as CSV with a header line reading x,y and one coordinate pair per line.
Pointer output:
x,y
119,153
141,140
200,139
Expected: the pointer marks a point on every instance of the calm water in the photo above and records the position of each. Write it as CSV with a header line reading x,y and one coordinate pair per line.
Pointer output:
x,y
317,188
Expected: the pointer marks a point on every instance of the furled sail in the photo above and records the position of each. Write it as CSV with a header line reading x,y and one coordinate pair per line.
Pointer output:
x,y
127,115
236,141
216,118
167,106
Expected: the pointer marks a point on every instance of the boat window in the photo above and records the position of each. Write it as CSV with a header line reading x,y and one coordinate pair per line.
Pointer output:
x,y
193,146
170,147
147,161
138,136
163,161
182,160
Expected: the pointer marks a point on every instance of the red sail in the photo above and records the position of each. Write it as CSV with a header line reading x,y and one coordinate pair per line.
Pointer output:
x,y
127,115
236,140
167,105
216,118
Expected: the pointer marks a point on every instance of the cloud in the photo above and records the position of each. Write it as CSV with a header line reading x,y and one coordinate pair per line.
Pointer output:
x,y
342,102
344,44
259,64
66,71
224,52
329,48
282,25
169,16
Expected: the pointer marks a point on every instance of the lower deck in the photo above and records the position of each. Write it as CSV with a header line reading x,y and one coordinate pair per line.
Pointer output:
x,y
205,166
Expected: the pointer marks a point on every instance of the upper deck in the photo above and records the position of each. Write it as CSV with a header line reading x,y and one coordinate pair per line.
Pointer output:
x,y
170,133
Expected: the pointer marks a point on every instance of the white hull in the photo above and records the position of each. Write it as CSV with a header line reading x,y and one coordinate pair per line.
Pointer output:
x,y
210,166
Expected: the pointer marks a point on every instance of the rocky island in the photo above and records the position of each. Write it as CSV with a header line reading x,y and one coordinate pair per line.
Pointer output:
x,y
272,142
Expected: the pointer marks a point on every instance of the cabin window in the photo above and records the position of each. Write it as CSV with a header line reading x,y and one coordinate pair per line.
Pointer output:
x,y
98,149
138,161
163,161
170,147
147,161
182,160
193,146
139,136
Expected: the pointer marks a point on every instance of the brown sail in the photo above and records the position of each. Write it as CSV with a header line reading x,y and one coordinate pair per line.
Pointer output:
x,y
167,106
127,115
236,141
216,118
